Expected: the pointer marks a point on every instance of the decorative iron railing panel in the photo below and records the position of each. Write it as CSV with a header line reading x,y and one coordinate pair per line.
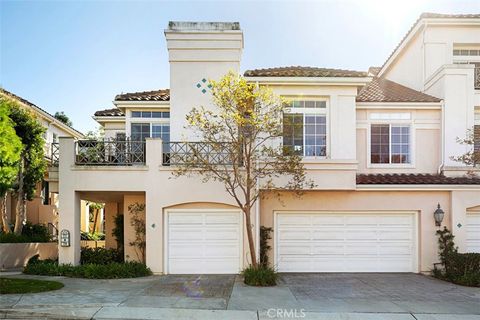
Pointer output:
x,y
109,152
55,154
182,153
477,78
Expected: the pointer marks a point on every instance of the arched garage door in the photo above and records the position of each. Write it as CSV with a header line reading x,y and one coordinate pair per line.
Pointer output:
x,y
203,241
346,242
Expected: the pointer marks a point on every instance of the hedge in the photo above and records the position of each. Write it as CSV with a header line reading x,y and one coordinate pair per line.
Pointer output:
x,y
112,270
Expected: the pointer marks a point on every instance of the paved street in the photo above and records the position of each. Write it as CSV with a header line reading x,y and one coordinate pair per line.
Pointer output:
x,y
311,296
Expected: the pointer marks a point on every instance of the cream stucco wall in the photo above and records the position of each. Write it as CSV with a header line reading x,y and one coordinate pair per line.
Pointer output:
x,y
425,140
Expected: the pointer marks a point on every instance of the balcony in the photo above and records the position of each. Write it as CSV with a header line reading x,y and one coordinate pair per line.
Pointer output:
x,y
182,153
109,152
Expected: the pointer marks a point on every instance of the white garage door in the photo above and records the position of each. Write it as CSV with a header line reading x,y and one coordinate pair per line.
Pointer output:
x,y
473,232
339,242
200,241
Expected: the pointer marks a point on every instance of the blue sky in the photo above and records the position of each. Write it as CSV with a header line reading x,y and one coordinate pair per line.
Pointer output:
x,y
75,56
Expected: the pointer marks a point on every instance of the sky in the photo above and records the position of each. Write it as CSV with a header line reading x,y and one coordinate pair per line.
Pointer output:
x,y
75,56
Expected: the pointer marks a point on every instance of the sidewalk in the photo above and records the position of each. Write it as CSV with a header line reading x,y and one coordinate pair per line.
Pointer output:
x,y
112,313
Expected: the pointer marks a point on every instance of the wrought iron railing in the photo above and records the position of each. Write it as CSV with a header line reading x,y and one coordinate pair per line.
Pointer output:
x,y
54,154
477,78
181,153
110,152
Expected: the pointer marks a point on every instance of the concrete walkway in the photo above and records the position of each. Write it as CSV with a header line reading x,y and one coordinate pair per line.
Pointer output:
x,y
307,296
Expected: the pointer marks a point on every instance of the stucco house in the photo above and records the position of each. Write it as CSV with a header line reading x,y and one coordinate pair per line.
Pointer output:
x,y
43,208
378,145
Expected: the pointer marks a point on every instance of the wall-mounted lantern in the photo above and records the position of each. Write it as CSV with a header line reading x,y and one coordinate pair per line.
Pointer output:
x,y
438,215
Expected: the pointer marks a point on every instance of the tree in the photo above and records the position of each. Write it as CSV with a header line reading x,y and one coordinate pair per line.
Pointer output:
x,y
472,142
10,149
62,117
32,164
241,146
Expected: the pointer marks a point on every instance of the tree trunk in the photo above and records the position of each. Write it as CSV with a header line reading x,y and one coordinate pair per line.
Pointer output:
x,y
95,217
5,227
251,243
21,203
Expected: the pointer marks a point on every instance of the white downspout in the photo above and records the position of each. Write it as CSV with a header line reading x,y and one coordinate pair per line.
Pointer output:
x,y
442,133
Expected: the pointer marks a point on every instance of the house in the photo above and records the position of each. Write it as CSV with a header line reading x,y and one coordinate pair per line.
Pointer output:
x,y
43,208
378,145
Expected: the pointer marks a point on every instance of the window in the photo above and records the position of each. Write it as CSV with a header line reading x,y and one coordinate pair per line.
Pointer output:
x,y
55,137
305,128
466,52
140,131
151,114
161,131
389,144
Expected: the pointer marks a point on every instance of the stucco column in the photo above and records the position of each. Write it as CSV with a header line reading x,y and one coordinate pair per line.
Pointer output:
x,y
461,201
153,209
69,204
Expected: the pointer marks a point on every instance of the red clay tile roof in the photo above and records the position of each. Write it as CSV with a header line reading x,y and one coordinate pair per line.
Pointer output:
x,y
155,95
114,112
383,90
414,179
430,15
297,71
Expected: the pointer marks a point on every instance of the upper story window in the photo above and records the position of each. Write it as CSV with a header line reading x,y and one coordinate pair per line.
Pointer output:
x,y
305,128
390,144
140,131
466,52
150,114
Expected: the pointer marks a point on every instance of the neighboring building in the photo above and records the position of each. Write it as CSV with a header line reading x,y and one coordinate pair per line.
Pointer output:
x,y
43,208
378,145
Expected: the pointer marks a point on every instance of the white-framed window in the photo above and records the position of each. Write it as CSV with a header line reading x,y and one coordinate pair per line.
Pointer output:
x,y
140,131
305,128
390,143
150,114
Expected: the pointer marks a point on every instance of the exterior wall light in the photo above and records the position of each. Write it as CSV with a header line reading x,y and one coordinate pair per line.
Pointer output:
x,y
438,215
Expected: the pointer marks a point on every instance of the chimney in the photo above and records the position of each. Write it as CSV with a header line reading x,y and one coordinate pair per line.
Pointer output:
x,y
198,52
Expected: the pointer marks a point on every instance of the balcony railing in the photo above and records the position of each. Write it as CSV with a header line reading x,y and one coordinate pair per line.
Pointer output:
x,y
182,153
109,152
54,154
477,78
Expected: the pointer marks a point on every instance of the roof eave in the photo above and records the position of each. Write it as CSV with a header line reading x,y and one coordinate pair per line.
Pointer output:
x,y
419,25
350,81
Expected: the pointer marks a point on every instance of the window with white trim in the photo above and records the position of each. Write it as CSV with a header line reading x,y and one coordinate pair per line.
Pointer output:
x,y
390,144
305,128
140,131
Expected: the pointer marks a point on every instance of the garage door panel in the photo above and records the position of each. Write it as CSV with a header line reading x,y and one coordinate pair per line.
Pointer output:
x,y
328,220
294,234
204,242
353,242
186,233
327,234
221,219
297,220
473,231
393,234
360,235
185,218
222,234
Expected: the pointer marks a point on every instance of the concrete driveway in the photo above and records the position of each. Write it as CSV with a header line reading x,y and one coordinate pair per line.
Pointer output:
x,y
387,296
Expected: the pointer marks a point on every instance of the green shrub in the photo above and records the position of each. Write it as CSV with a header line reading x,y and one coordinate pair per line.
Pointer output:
x,y
459,268
100,256
92,236
30,233
117,231
260,276
265,235
112,270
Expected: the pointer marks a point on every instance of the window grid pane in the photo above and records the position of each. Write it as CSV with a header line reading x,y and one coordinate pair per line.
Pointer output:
x,y
315,136
400,144
380,143
293,133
